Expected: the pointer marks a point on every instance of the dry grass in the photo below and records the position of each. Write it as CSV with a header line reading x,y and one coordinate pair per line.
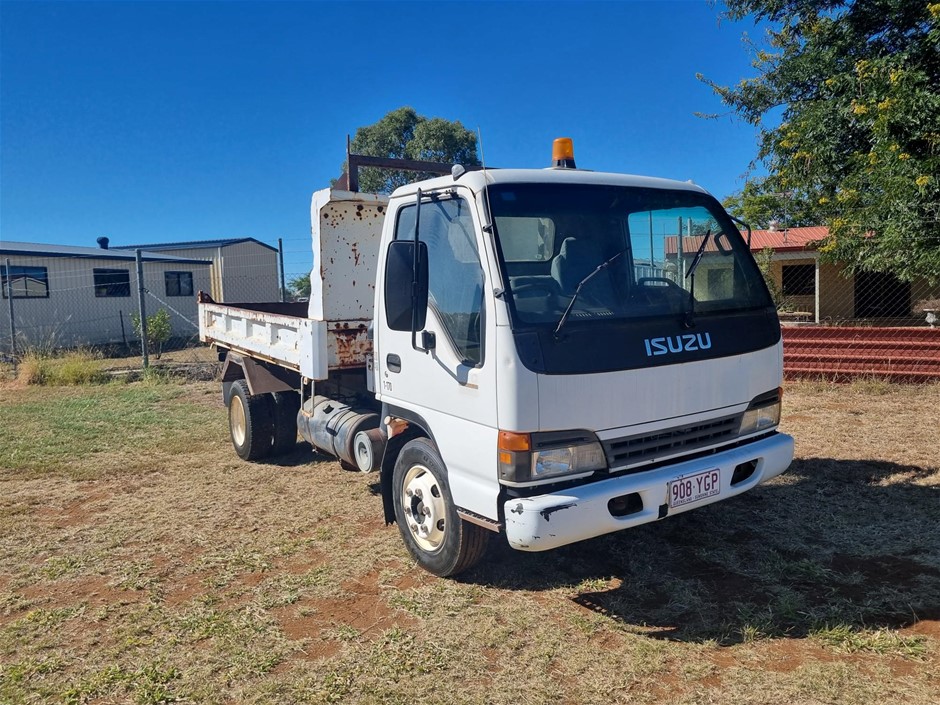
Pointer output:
x,y
141,561
69,368
79,366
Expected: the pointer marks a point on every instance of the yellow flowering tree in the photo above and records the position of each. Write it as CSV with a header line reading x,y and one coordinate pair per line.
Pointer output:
x,y
847,102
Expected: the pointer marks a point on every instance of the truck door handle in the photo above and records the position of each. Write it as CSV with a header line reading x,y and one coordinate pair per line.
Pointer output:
x,y
393,363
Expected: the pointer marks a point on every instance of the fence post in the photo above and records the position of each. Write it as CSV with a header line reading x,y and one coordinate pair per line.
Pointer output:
x,y
12,324
123,334
142,310
280,254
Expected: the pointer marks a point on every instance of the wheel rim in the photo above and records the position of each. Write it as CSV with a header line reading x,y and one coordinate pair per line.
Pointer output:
x,y
238,421
424,508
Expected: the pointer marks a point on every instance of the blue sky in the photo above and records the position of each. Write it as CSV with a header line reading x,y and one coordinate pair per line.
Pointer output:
x,y
164,121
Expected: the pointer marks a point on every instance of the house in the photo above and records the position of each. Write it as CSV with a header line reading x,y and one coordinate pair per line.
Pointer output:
x,y
813,290
64,296
825,290
244,270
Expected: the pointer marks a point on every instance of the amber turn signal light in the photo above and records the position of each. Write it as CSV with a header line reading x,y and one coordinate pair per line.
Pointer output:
x,y
514,441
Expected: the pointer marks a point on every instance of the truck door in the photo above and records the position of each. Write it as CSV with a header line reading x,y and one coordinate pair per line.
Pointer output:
x,y
452,385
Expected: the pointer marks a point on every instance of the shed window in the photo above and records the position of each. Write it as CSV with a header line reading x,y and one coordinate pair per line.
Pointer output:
x,y
112,282
799,279
179,283
27,282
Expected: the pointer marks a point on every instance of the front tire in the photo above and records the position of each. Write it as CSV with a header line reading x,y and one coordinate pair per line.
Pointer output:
x,y
250,422
441,542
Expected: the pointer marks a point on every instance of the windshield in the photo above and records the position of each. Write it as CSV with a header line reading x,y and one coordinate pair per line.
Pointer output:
x,y
665,253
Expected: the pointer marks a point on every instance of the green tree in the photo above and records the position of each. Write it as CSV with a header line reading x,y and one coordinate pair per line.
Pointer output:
x,y
761,201
159,330
858,141
299,286
765,262
404,134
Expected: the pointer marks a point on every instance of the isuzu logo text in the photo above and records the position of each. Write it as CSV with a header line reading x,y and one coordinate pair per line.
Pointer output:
x,y
677,343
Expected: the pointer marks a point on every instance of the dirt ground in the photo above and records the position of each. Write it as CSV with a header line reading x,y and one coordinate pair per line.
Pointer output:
x,y
142,561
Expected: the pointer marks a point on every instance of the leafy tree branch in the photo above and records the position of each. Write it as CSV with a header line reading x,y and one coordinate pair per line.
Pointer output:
x,y
858,143
403,134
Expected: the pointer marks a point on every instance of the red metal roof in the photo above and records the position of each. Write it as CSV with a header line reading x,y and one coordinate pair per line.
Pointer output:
x,y
790,240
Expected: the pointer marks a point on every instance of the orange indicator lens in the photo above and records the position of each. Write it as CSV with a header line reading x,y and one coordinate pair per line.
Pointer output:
x,y
514,441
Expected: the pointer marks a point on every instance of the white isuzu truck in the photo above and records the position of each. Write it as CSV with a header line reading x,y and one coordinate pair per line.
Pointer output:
x,y
549,355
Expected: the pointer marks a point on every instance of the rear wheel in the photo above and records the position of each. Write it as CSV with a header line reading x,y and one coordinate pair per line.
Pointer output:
x,y
250,422
286,405
441,542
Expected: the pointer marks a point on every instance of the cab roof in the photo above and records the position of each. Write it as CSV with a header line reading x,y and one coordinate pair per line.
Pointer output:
x,y
475,180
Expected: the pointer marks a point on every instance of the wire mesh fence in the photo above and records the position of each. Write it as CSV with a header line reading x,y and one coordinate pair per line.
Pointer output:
x,y
835,323
56,299
842,325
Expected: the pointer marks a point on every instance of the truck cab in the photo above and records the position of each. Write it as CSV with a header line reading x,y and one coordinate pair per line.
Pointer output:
x,y
592,352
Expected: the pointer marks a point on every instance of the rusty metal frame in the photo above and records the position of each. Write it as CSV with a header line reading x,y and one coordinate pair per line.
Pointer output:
x,y
261,378
349,181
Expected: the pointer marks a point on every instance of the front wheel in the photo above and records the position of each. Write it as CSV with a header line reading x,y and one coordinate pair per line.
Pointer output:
x,y
441,542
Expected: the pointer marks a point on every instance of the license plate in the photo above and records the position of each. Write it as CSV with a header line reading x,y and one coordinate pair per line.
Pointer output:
x,y
692,488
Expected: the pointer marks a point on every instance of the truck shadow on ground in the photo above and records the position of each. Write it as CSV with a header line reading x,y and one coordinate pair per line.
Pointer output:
x,y
832,543
302,455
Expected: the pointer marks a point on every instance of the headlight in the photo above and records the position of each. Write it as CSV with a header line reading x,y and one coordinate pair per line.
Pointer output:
x,y
762,414
755,420
536,458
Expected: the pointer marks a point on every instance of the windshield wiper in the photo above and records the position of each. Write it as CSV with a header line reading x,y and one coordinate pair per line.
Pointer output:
x,y
689,320
564,316
698,255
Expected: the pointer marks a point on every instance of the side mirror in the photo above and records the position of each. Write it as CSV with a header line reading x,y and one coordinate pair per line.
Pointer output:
x,y
406,305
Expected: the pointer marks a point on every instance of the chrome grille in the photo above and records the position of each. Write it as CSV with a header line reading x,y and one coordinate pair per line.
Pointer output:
x,y
646,448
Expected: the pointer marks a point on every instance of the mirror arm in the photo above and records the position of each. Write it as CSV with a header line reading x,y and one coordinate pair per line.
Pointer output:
x,y
746,226
415,283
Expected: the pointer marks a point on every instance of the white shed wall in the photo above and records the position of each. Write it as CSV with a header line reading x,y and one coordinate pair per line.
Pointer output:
x,y
211,254
72,315
249,273
245,272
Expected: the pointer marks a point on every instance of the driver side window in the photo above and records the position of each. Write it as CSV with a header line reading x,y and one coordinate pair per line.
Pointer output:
x,y
455,275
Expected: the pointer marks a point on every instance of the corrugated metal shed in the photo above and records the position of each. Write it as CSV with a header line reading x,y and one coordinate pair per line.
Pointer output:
x,y
39,249
67,295
194,244
244,270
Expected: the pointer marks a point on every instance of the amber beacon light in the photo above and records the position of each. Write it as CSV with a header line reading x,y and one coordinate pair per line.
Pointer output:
x,y
563,153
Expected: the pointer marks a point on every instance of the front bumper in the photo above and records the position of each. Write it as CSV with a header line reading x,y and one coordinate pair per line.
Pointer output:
x,y
551,520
